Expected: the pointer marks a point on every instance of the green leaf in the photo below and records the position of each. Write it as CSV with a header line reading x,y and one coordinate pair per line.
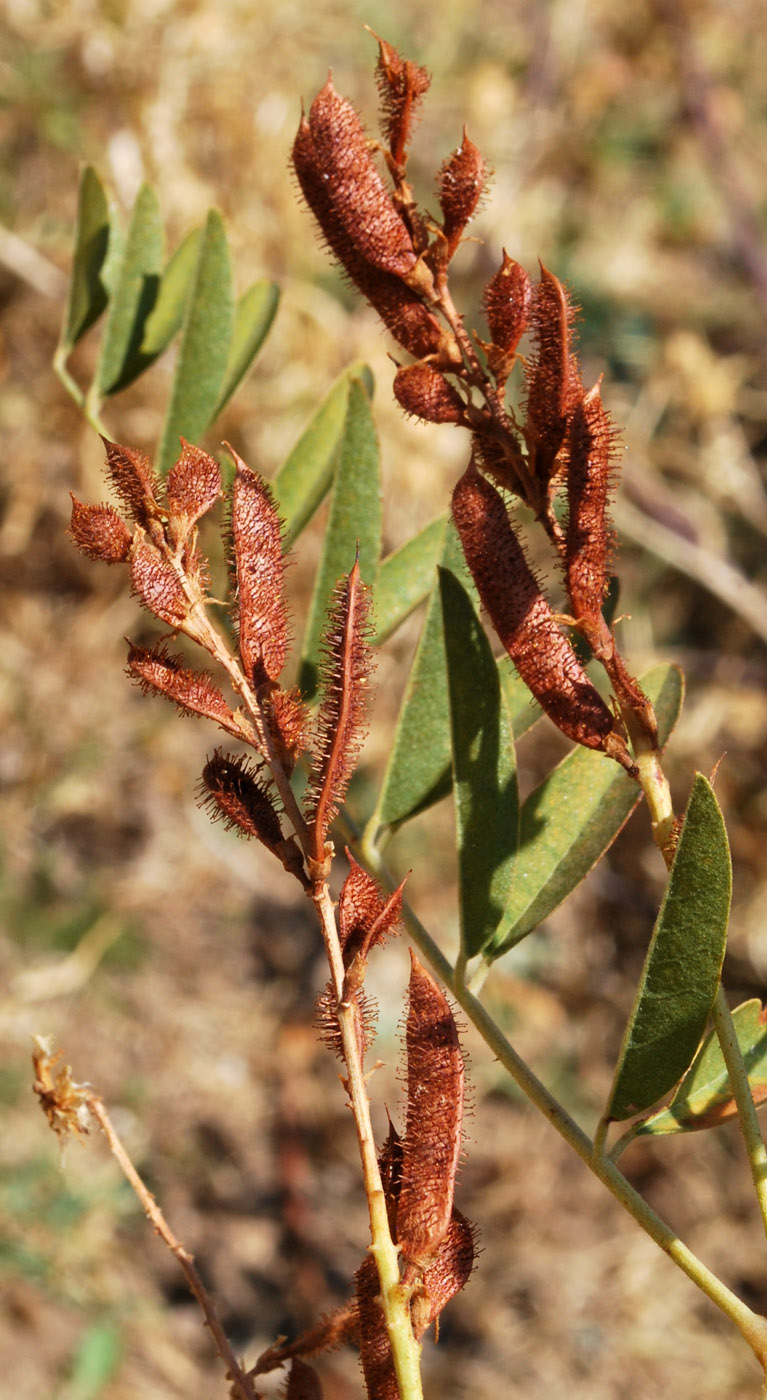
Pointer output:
x,y
96,1361
683,964
572,817
418,773
133,296
168,312
484,770
305,476
406,577
354,524
255,312
704,1098
205,340
93,229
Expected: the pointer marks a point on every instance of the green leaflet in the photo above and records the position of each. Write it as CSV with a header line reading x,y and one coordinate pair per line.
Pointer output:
x,y
354,524
133,296
253,318
418,772
572,817
93,233
683,964
96,1361
484,770
305,476
406,577
704,1097
205,340
168,312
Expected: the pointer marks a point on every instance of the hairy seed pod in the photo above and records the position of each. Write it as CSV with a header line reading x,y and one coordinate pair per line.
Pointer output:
x,y
402,311
288,720
99,532
506,304
460,183
552,374
448,1272
522,617
329,1332
432,1143
357,193
303,1383
232,791
375,1351
426,394
346,666
193,487
194,692
401,85
258,557
365,1011
155,582
365,914
134,481
590,478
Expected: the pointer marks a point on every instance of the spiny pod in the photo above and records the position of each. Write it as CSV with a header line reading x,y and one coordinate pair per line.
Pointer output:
x,y
460,184
590,477
431,1146
156,583
362,203
192,488
523,620
194,692
135,481
375,1351
448,1272
506,304
401,85
365,913
426,394
99,532
552,375
303,1383
232,791
347,663
258,558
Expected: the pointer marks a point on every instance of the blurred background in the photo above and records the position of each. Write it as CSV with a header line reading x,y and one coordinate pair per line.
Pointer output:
x,y
172,964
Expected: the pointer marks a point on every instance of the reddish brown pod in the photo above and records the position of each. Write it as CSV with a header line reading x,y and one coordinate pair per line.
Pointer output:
x,y
99,532
461,182
524,622
194,692
258,558
426,394
431,1146
506,304
401,85
552,374
593,456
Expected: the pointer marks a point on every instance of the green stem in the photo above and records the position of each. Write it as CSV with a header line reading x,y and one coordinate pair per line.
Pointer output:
x,y
749,1122
752,1326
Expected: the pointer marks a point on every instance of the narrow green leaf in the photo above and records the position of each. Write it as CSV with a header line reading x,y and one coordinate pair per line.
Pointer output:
x,y
133,297
484,770
168,312
354,523
96,1360
253,318
87,292
406,577
704,1098
305,476
683,964
418,773
205,340
573,816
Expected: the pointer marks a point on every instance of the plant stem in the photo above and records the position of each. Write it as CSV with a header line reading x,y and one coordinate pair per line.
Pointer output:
x,y
395,1298
749,1122
751,1325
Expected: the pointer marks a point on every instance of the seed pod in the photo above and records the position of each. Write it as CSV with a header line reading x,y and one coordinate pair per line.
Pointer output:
x,y
193,487
375,1351
331,1330
232,791
432,1143
134,480
506,304
426,394
400,309
448,1272
258,557
355,190
194,692
460,183
303,1383
155,582
365,914
365,1010
346,667
99,532
521,616
401,85
288,720
552,375
590,477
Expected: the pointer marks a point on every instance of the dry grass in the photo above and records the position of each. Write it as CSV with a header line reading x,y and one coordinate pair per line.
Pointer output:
x,y
188,992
